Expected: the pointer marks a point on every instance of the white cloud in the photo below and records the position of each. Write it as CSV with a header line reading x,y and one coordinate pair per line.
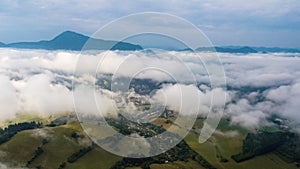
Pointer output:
x,y
261,70
189,100
40,96
287,98
244,114
8,99
39,81
181,98
90,102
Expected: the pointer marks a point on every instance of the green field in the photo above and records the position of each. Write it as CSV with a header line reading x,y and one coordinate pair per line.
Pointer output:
x,y
22,146
225,142
96,159
226,146
178,165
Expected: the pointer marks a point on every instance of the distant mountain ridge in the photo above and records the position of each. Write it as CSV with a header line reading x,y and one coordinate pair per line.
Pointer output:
x,y
69,40
276,49
247,49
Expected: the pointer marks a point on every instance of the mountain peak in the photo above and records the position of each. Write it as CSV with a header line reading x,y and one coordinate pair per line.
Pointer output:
x,y
70,35
69,40
2,44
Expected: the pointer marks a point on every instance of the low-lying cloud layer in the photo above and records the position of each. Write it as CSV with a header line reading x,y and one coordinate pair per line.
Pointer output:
x,y
259,86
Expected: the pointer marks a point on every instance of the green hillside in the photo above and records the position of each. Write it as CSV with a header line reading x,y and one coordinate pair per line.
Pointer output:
x,y
223,145
21,148
52,147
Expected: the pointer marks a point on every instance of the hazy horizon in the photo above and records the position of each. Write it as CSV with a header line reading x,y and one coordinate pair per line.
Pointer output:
x,y
153,42
265,23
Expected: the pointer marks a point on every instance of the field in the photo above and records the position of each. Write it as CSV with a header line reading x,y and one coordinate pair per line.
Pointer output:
x,y
61,145
226,141
178,165
224,145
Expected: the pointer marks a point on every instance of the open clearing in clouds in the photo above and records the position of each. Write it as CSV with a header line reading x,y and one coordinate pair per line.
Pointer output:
x,y
259,86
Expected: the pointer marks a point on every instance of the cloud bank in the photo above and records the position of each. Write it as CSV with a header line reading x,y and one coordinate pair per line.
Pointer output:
x,y
259,86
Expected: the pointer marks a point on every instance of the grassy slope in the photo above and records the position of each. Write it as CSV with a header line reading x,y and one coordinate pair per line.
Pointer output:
x,y
61,146
96,159
178,165
227,146
22,146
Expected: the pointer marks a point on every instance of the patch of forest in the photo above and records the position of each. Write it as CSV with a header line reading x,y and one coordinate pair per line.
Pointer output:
x,y
7,133
285,144
75,156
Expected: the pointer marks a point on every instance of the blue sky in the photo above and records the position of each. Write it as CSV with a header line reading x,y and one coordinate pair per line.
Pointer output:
x,y
225,22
